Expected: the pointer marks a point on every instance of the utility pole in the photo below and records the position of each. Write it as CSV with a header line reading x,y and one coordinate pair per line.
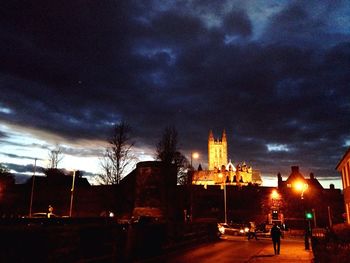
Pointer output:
x,y
329,217
314,214
32,191
72,195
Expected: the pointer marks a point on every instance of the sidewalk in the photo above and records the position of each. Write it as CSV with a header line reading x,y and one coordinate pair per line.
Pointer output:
x,y
292,250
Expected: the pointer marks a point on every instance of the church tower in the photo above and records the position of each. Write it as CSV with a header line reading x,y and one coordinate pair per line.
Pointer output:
x,y
217,151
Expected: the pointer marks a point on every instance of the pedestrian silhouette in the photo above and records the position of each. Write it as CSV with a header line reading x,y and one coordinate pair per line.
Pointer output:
x,y
252,231
276,238
50,213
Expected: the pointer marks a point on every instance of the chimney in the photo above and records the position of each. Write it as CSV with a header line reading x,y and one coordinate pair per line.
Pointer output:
x,y
295,169
312,177
279,180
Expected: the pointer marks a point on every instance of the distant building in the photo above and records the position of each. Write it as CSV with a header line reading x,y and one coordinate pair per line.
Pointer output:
x,y
148,191
217,151
344,168
220,170
296,177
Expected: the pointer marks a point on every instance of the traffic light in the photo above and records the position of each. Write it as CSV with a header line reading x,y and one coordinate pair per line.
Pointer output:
x,y
275,215
308,215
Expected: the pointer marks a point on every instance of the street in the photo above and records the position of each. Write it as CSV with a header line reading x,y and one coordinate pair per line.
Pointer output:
x,y
239,249
229,249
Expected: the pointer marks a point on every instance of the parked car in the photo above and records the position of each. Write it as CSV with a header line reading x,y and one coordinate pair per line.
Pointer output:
x,y
44,215
233,229
263,230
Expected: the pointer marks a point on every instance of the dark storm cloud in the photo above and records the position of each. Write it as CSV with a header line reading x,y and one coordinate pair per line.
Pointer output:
x,y
238,23
309,24
2,136
24,172
73,68
21,169
17,156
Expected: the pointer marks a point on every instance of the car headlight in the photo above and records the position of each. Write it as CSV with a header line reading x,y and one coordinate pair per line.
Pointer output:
x,y
246,229
222,230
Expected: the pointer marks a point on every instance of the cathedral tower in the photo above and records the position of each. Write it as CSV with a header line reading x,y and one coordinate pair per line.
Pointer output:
x,y
217,151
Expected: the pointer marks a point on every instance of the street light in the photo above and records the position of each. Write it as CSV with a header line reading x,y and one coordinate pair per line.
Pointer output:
x,y
301,187
223,186
32,191
275,196
194,155
72,195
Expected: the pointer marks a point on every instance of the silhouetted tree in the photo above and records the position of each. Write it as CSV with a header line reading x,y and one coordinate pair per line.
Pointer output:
x,y
55,157
117,156
4,170
6,179
168,152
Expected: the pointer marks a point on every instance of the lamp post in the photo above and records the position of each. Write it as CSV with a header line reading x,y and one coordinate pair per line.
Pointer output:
x,y
225,203
72,195
32,191
275,196
223,187
302,187
194,155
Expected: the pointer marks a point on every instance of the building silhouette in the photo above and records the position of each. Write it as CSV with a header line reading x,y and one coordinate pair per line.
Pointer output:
x,y
344,168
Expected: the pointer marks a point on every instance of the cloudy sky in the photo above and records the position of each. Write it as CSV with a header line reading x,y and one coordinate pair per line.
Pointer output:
x,y
275,74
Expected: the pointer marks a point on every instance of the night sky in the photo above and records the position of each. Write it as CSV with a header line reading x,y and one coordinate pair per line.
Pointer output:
x,y
275,74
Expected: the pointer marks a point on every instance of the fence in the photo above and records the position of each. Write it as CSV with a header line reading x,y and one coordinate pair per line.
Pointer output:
x,y
331,245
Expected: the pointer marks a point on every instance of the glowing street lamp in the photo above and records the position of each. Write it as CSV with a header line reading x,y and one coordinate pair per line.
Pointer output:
x,y
301,187
194,155
274,194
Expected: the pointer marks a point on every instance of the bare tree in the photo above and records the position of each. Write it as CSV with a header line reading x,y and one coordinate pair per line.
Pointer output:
x,y
4,170
168,152
117,156
167,146
107,167
55,157
6,178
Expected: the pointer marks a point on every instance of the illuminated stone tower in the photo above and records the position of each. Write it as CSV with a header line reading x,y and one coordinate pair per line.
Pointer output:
x,y
217,151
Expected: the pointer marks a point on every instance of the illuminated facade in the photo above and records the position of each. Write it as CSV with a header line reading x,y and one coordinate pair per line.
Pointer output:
x,y
220,170
344,168
217,151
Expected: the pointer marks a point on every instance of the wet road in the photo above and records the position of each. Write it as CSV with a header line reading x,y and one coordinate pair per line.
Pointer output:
x,y
229,249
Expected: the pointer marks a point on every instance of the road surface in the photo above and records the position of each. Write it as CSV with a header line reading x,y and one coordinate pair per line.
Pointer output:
x,y
229,249
238,250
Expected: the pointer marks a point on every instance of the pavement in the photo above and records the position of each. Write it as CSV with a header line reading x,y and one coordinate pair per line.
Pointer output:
x,y
292,250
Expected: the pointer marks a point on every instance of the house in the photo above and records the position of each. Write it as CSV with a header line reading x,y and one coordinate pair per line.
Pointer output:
x,y
344,168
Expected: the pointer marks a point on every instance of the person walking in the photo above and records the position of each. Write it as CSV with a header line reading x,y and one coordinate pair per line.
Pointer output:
x,y
252,231
276,234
